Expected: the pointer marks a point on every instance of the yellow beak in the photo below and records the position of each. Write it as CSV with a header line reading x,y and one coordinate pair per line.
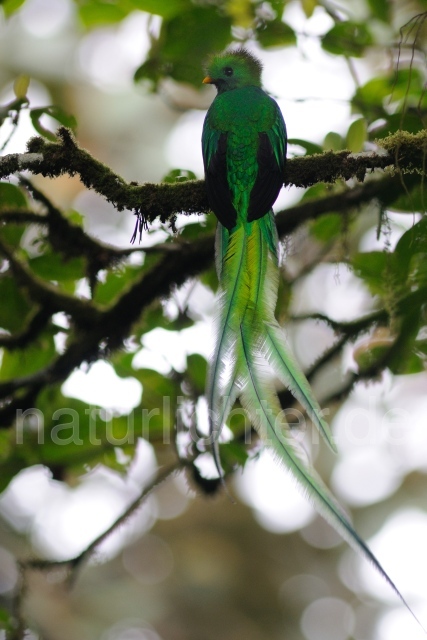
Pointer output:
x,y
207,80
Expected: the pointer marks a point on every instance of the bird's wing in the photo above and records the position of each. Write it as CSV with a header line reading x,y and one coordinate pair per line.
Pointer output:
x,y
214,149
271,158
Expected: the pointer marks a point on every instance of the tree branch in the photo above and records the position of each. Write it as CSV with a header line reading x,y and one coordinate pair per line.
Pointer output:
x,y
74,564
101,329
161,476
404,151
36,323
104,329
384,189
112,324
47,294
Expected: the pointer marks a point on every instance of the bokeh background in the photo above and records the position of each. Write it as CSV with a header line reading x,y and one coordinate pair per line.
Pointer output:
x,y
188,566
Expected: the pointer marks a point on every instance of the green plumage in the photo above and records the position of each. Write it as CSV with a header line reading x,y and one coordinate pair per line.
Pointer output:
x,y
244,152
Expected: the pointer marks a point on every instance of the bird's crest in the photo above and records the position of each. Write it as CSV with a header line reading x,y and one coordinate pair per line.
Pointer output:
x,y
249,65
240,53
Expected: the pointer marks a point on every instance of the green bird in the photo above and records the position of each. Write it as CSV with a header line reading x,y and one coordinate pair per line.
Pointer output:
x,y
244,151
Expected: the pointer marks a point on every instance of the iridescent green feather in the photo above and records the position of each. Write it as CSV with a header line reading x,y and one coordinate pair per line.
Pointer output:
x,y
244,151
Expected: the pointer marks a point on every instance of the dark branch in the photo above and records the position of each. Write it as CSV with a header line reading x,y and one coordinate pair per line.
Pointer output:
x,y
35,324
72,565
104,329
98,330
47,294
165,201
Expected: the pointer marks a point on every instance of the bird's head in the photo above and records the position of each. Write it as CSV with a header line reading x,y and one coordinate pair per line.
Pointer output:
x,y
233,70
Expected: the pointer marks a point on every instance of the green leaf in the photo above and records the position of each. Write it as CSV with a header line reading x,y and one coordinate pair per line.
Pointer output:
x,y
178,56
421,349
233,454
179,175
12,109
405,85
115,282
308,6
381,9
196,371
164,8
75,218
333,141
238,423
414,240
11,464
347,38
210,31
195,230
182,321
12,197
20,86
369,356
276,34
6,444
210,279
410,121
386,272
417,270
99,12
413,200
57,114
374,91
356,135
406,358
310,147
23,362
327,227
74,436
278,5
7,621
151,71
122,363
154,318
373,268
411,363
159,403
52,266
155,387
10,6
411,251
316,191
14,313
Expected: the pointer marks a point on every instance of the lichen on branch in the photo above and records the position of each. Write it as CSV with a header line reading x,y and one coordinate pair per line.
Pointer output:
x,y
402,151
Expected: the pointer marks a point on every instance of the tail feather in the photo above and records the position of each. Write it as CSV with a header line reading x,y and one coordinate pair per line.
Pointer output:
x,y
287,370
263,408
249,341
249,279
215,426
220,372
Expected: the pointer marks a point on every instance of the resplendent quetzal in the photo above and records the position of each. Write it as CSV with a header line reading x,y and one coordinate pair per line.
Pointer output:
x,y
244,153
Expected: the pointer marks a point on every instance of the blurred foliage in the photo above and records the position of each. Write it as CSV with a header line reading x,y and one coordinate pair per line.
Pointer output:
x,y
48,328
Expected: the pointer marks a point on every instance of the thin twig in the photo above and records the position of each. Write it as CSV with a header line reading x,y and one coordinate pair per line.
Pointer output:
x,y
74,564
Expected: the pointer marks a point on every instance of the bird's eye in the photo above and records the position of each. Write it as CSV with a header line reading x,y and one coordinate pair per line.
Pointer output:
x,y
228,71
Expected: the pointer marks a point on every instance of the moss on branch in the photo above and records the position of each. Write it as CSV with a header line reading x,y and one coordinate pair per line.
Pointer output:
x,y
402,151
409,150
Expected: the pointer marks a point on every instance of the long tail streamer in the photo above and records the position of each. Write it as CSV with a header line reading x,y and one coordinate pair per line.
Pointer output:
x,y
249,344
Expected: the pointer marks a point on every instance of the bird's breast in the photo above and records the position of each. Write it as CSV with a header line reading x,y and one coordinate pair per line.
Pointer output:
x,y
248,107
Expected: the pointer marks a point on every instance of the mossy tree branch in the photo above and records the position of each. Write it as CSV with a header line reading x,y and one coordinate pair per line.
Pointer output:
x,y
99,329
402,151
